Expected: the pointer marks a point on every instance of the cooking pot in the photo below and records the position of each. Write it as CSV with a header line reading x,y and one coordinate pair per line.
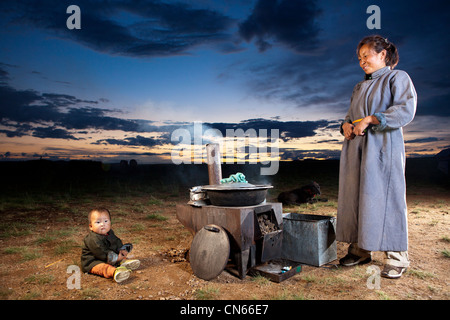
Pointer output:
x,y
236,194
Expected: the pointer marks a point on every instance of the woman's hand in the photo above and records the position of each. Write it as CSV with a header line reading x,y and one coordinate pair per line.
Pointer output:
x,y
347,128
361,126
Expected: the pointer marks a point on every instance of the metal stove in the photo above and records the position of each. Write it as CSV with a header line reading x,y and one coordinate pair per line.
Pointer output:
x,y
239,229
254,232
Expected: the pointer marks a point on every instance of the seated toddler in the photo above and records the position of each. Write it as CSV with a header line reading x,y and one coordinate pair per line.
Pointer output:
x,y
103,252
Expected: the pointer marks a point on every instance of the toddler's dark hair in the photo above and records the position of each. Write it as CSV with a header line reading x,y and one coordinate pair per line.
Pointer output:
x,y
100,210
378,43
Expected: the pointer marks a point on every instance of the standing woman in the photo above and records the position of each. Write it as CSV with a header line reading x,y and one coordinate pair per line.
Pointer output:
x,y
372,213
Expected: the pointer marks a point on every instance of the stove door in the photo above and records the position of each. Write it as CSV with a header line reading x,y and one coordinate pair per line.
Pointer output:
x,y
268,234
271,246
209,253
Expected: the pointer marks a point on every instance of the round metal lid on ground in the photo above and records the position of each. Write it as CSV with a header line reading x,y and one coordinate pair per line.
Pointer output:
x,y
209,252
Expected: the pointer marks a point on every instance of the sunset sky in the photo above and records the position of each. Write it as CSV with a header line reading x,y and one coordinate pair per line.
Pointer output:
x,y
136,71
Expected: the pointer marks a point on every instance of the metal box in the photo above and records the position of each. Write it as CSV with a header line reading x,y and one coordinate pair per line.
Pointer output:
x,y
309,239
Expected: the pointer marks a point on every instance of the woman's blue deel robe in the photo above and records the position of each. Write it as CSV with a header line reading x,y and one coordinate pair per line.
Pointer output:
x,y
372,189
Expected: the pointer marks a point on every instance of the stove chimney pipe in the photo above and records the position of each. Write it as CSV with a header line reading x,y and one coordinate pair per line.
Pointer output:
x,y
213,160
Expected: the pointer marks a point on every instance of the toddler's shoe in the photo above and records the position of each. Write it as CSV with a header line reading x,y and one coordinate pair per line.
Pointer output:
x,y
131,264
121,274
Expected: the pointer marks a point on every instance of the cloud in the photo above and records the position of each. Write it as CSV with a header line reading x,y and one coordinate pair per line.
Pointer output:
x,y
288,129
18,130
4,75
62,116
23,106
422,140
326,71
132,141
291,154
435,105
58,116
49,115
291,23
317,83
96,118
52,132
128,28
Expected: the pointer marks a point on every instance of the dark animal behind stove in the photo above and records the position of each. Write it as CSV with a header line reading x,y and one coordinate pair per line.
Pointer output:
x,y
301,195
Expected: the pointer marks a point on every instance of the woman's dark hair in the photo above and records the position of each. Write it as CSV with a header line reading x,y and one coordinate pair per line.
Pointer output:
x,y
378,43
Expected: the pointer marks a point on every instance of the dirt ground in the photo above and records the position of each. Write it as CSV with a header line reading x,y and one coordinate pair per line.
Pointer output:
x,y
40,241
